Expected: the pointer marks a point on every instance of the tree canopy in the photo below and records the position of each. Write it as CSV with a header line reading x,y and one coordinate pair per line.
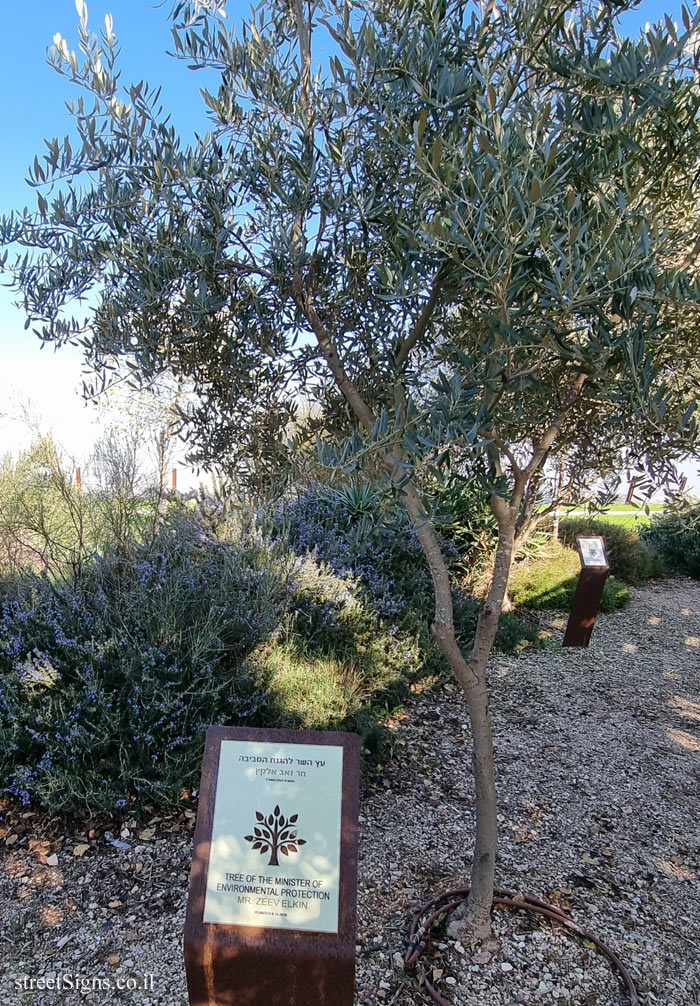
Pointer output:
x,y
496,179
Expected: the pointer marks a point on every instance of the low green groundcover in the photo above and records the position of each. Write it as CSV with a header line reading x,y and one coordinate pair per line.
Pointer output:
x,y
549,583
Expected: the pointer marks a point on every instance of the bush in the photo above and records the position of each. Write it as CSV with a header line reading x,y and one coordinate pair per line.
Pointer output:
x,y
333,642
630,560
386,562
465,518
108,685
549,582
326,608
50,523
674,538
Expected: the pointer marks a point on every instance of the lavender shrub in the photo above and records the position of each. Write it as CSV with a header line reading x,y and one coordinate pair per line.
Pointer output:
x,y
106,687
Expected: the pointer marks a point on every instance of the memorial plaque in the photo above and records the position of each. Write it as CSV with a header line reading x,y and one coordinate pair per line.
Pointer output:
x,y
592,551
589,590
271,908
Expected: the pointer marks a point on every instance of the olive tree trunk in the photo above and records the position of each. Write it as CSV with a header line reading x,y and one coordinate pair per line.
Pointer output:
x,y
474,922
470,671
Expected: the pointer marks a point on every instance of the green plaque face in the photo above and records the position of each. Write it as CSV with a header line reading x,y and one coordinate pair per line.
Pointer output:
x,y
274,859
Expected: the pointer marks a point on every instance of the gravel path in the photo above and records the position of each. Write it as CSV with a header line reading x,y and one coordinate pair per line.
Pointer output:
x,y
598,756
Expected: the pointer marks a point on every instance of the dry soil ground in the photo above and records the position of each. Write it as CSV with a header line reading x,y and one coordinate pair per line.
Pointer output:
x,y
599,778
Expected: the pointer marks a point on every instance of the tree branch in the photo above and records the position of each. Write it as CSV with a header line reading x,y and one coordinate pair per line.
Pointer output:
x,y
550,434
345,385
530,501
421,324
504,449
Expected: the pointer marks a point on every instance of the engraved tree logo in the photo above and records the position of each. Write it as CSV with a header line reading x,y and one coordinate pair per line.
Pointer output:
x,y
275,833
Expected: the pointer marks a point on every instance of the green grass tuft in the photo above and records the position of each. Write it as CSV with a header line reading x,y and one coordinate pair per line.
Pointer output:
x,y
549,583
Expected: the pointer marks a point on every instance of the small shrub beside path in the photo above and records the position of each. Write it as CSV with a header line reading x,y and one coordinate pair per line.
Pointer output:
x,y
598,755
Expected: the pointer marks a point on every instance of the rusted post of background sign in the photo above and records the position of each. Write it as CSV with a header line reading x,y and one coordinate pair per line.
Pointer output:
x,y
271,913
589,590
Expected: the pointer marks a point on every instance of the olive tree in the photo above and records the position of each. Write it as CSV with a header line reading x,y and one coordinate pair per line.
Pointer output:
x,y
437,222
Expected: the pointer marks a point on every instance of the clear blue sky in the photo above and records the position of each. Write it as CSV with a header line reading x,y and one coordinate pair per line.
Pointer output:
x,y
34,94
33,109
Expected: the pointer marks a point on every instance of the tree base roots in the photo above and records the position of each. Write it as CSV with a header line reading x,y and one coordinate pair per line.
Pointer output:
x,y
469,926
441,907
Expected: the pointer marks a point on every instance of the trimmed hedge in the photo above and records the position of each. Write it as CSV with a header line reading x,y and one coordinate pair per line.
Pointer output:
x,y
630,560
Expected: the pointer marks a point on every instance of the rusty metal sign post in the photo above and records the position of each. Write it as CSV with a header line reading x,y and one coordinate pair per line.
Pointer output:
x,y
271,912
589,591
